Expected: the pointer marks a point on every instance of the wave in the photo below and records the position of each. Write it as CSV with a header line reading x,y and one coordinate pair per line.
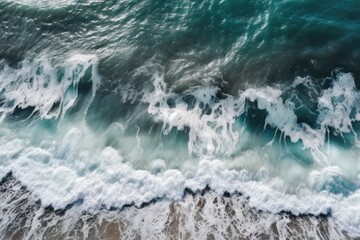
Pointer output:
x,y
50,90
75,163
198,215
211,116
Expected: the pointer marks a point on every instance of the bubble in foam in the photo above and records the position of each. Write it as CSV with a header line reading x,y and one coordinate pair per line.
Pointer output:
x,y
158,166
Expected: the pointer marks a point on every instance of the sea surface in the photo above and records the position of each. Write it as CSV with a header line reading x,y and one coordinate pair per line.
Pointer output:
x,y
144,104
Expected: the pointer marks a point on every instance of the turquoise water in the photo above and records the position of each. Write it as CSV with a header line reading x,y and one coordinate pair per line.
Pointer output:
x,y
144,99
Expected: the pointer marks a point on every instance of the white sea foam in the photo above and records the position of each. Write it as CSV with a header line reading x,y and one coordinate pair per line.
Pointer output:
x,y
211,120
50,90
44,3
209,134
195,216
339,105
104,179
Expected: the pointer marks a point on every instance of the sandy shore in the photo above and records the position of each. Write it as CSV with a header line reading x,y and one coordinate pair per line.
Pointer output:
x,y
199,216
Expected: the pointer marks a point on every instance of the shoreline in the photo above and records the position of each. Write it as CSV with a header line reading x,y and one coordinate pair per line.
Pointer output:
x,y
202,215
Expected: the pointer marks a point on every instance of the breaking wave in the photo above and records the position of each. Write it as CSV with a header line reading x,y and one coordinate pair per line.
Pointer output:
x,y
288,148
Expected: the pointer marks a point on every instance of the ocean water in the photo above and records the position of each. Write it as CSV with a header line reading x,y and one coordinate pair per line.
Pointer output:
x,y
108,104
